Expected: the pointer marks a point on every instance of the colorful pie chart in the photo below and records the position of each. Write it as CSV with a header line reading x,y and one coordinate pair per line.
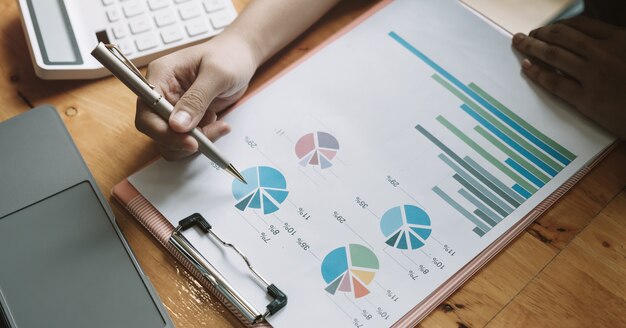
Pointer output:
x,y
349,269
318,149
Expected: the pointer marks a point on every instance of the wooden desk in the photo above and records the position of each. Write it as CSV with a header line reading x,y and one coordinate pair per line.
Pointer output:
x,y
567,270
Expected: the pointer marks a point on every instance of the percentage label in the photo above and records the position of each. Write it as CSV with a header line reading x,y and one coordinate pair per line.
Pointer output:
x,y
304,213
393,181
339,217
303,244
366,315
357,323
361,202
290,230
438,263
392,295
215,166
382,313
449,250
423,269
265,237
251,142
274,230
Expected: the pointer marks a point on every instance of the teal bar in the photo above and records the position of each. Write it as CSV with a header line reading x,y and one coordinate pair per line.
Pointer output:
x,y
479,232
480,224
482,207
478,189
484,217
518,199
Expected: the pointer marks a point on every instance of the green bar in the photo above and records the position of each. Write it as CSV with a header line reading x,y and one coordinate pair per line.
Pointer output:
x,y
521,181
510,133
544,178
523,123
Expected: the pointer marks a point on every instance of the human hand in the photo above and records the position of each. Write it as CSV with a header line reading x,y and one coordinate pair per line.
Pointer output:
x,y
582,61
201,81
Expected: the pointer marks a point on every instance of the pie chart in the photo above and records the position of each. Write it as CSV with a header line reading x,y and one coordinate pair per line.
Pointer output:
x,y
405,227
349,269
266,189
318,149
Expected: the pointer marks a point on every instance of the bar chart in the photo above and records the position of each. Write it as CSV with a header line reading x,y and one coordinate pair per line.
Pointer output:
x,y
532,159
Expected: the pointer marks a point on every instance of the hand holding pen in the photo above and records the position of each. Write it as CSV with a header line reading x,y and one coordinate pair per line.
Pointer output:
x,y
112,58
201,81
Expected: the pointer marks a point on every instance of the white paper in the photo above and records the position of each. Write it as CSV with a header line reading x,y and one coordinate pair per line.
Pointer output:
x,y
370,92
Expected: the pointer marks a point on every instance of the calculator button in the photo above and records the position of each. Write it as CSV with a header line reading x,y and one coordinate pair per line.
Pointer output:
x,y
164,18
212,5
107,2
139,25
189,11
133,9
113,15
221,19
146,41
196,26
157,4
171,34
120,31
126,47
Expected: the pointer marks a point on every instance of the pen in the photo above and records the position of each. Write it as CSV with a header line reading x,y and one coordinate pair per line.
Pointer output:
x,y
112,58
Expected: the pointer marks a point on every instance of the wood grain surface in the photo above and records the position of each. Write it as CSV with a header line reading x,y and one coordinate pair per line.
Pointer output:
x,y
568,269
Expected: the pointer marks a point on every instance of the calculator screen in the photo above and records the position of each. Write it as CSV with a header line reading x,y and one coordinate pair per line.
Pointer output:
x,y
54,33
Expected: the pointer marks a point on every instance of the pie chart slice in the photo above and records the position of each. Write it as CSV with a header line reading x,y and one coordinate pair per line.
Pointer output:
x,y
406,227
266,189
349,269
317,149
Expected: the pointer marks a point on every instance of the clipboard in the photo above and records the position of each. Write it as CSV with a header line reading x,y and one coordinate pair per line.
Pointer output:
x,y
161,228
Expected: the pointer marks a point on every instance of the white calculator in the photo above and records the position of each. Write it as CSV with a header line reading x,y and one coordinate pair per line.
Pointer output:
x,y
62,33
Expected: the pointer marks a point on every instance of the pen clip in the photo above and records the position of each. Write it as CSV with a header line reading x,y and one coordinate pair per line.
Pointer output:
x,y
115,50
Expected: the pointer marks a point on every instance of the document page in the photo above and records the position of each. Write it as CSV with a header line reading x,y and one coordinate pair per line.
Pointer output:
x,y
378,167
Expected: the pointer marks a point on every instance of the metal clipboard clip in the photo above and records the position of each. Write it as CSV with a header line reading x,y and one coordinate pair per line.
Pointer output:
x,y
215,277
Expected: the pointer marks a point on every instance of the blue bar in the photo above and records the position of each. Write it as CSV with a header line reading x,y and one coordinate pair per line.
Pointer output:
x,y
482,226
531,177
521,191
480,100
518,199
466,166
484,209
541,164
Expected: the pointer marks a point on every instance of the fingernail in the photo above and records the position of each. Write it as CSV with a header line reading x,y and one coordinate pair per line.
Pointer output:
x,y
182,118
517,38
526,64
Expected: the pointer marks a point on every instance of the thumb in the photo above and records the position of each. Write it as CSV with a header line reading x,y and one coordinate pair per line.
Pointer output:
x,y
193,104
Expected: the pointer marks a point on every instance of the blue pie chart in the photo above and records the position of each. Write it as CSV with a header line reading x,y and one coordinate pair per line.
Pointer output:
x,y
406,227
266,189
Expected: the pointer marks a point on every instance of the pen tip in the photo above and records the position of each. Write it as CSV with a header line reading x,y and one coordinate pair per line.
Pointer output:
x,y
233,171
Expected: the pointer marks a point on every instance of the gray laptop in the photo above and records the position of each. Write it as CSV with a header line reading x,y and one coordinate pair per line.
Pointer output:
x,y
63,260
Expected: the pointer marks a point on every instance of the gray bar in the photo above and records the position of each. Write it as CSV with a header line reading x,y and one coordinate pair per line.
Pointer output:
x,y
485,198
470,169
460,208
485,218
479,232
493,216
495,181
478,189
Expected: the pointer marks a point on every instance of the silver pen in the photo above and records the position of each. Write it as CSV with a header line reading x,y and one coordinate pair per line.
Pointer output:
x,y
112,58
